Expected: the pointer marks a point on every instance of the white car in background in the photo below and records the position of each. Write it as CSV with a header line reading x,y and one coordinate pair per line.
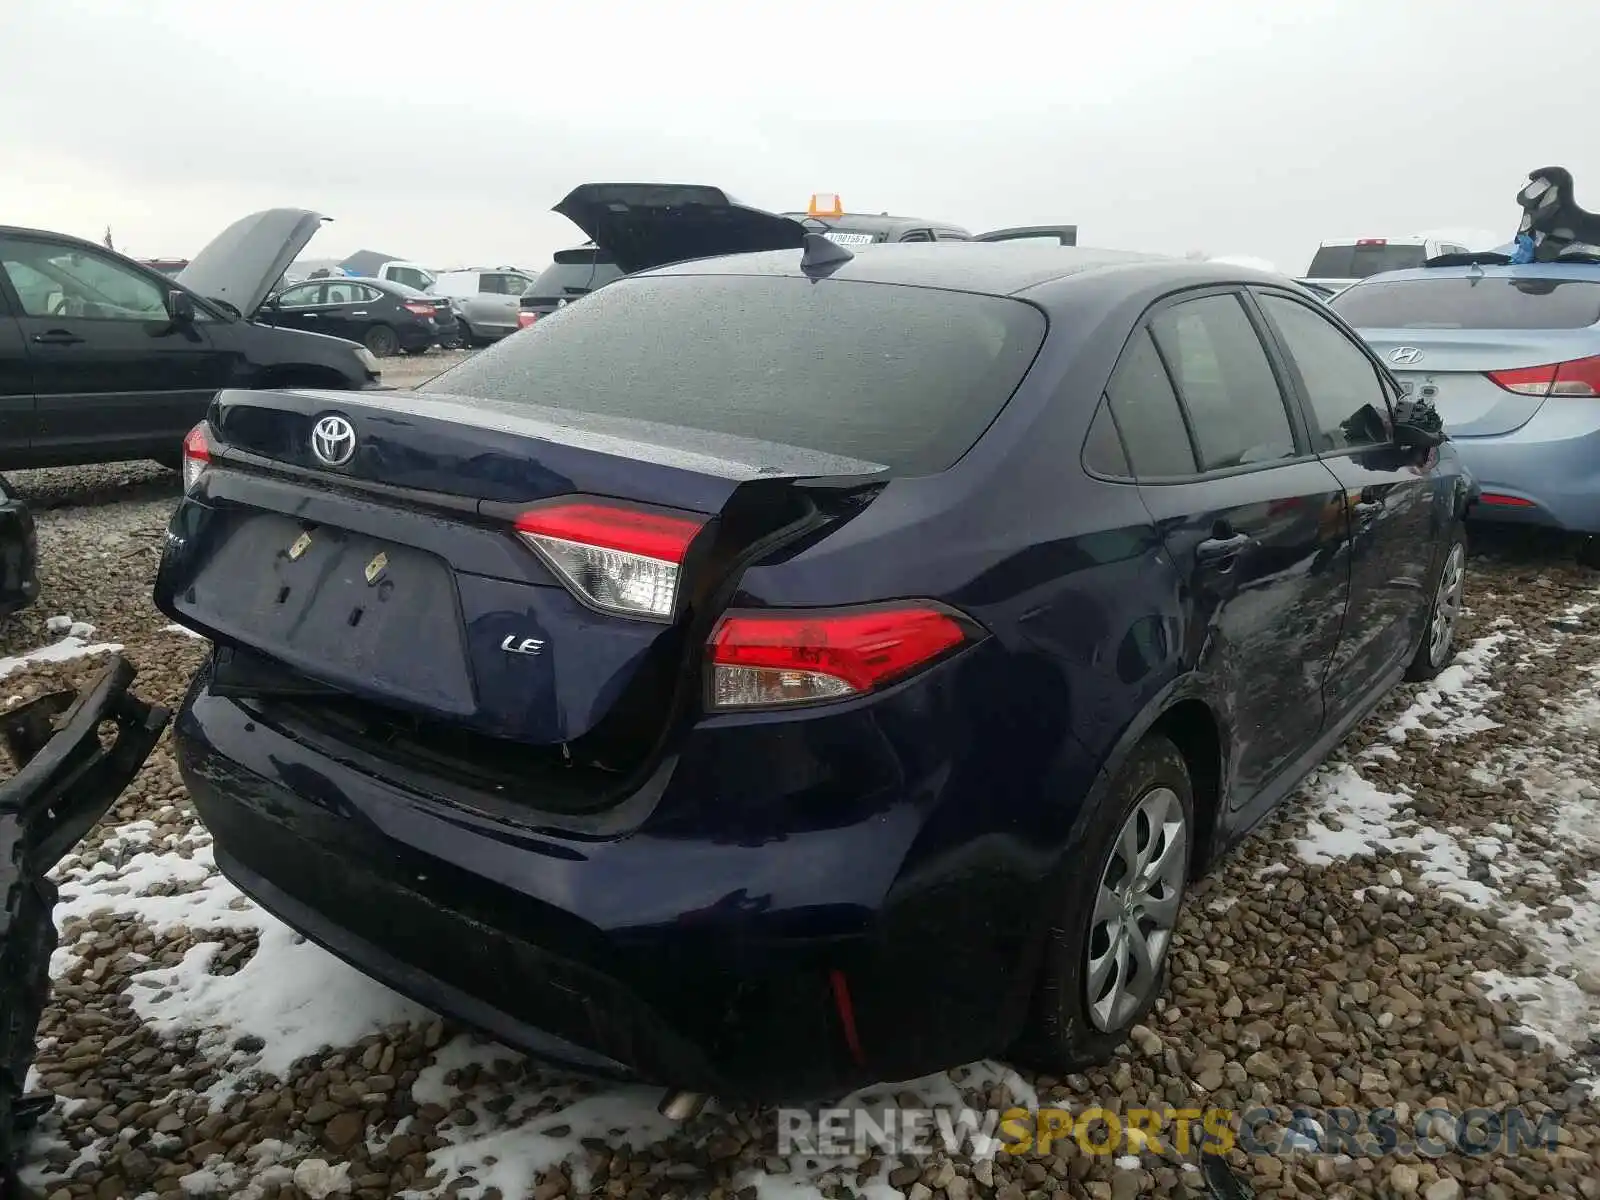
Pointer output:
x,y
486,301
1339,262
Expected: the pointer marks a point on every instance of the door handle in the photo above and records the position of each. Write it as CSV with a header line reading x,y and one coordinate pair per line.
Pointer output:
x,y
57,337
1222,548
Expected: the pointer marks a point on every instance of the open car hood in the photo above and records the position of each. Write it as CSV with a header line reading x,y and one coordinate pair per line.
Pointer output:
x,y
240,265
644,225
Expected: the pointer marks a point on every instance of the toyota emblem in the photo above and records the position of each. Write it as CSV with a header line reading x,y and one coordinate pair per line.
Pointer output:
x,y
333,441
1405,355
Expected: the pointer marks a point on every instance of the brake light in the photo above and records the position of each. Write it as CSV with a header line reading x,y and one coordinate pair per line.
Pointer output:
x,y
196,455
1578,377
420,309
524,319
613,557
1372,241
1500,500
760,659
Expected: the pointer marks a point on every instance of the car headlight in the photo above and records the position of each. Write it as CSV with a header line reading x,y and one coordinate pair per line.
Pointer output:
x,y
368,359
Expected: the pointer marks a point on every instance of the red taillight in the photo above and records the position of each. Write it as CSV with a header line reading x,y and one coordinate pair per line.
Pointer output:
x,y
759,659
524,319
1578,377
196,454
420,309
615,557
1501,500
1372,241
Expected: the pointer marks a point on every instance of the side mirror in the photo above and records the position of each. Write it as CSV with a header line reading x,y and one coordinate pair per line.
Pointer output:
x,y
1417,425
1416,437
180,305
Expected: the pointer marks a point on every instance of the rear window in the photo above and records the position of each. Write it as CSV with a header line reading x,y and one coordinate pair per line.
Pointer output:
x,y
1357,262
571,278
1471,302
903,376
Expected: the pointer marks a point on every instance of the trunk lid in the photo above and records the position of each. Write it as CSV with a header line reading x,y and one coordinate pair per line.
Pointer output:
x,y
399,577
645,225
240,265
1451,367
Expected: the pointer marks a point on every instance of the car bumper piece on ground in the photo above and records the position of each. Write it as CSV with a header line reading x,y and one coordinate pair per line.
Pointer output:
x,y
66,781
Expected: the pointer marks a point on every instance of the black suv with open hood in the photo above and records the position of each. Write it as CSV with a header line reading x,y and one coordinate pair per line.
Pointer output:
x,y
103,358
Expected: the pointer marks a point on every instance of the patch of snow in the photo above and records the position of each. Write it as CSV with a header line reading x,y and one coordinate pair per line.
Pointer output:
x,y
70,647
1456,696
185,630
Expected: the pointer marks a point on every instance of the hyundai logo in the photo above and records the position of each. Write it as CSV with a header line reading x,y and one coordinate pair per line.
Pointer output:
x,y
333,441
1405,355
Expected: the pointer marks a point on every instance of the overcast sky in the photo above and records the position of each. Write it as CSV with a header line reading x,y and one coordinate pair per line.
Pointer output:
x,y
444,132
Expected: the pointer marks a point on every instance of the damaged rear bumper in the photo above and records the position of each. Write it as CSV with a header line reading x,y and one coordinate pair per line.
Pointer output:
x,y
68,775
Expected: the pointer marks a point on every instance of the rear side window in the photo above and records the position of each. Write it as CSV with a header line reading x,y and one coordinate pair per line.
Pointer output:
x,y
1147,411
903,376
1226,382
1102,449
1357,262
566,279
1471,302
1348,403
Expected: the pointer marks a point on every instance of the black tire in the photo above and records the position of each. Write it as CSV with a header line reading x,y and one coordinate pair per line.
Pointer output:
x,y
382,341
464,338
1435,652
1589,552
1063,1033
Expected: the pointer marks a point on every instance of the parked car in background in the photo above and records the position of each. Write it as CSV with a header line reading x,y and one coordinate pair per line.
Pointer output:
x,y
485,301
745,707
19,552
826,211
1340,262
413,275
571,274
1510,356
104,359
385,317
170,267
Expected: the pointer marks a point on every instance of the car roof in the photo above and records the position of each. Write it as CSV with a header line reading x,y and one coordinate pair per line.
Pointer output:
x,y
1547,270
1388,241
993,268
24,231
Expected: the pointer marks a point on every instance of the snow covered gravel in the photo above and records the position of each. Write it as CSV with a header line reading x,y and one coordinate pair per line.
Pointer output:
x,y
1420,926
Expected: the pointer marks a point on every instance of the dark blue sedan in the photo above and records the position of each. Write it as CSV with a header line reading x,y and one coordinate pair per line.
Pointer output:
x,y
777,674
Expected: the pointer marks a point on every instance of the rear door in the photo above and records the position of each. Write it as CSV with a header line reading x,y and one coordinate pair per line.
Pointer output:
x,y
1060,235
1389,493
501,292
346,309
1473,343
111,372
1252,519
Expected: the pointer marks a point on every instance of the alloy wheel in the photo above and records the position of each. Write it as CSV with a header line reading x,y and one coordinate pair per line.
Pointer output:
x,y
1136,909
1447,604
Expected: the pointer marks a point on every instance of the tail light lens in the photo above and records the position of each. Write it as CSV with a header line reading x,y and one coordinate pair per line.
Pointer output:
x,y
419,309
524,319
614,557
764,659
196,455
1578,377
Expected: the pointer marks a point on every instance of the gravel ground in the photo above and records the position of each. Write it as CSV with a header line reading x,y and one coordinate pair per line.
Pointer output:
x,y
1409,932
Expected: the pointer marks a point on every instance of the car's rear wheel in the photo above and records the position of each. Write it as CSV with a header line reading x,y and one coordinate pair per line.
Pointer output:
x,y
464,338
1444,612
1105,959
382,341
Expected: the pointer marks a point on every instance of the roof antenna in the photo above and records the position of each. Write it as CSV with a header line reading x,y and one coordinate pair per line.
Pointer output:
x,y
821,254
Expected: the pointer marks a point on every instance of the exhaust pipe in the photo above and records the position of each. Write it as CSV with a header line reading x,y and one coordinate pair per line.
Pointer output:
x,y
681,1106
